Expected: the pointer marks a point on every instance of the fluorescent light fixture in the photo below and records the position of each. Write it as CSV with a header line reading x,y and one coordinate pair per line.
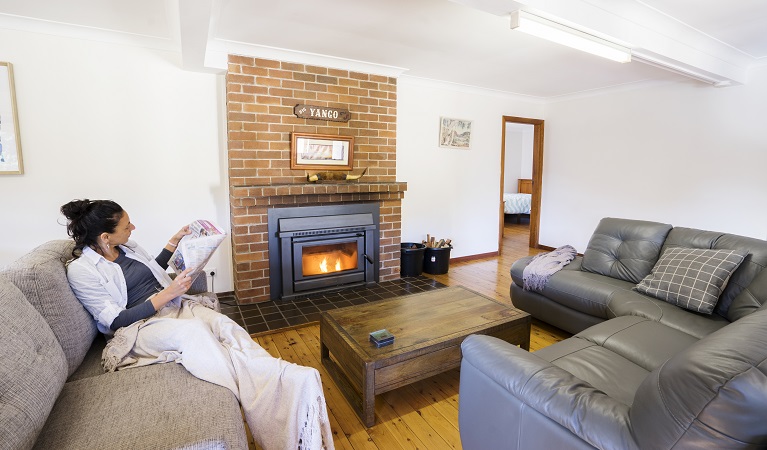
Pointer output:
x,y
562,34
679,69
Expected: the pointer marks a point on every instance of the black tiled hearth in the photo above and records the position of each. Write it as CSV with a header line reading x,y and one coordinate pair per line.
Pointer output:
x,y
258,318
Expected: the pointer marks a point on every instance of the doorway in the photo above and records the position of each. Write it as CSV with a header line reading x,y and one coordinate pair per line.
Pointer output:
x,y
536,175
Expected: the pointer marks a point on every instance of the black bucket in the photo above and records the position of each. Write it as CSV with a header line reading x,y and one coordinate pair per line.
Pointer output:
x,y
436,261
411,259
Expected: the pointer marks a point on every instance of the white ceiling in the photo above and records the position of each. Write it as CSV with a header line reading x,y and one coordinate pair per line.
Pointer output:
x,y
468,42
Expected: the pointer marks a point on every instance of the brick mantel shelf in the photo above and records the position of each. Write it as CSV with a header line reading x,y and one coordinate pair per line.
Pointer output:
x,y
279,194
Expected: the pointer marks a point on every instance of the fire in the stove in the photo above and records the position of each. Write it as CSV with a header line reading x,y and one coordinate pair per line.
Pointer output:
x,y
324,265
329,258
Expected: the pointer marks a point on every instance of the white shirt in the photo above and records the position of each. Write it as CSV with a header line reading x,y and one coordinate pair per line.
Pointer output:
x,y
100,286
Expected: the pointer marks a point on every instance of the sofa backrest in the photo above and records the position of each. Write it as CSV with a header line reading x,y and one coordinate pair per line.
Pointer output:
x,y
751,298
42,277
32,369
752,265
710,395
624,249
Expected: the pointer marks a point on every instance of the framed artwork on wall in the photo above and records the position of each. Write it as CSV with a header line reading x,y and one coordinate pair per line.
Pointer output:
x,y
321,151
454,133
10,142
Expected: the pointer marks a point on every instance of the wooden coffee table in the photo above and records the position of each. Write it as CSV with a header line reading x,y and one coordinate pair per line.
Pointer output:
x,y
428,328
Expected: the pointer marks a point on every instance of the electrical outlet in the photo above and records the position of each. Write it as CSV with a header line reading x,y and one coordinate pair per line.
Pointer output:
x,y
211,271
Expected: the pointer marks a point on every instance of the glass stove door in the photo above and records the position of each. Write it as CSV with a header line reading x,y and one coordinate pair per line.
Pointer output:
x,y
328,257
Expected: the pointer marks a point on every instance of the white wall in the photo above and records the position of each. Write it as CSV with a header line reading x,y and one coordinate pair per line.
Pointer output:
x,y
452,193
681,153
519,155
113,121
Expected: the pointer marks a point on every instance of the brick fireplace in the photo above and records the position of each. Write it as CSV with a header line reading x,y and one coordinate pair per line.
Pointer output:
x,y
261,95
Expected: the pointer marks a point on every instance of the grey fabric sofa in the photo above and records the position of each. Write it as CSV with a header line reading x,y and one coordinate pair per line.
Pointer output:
x,y
640,373
54,393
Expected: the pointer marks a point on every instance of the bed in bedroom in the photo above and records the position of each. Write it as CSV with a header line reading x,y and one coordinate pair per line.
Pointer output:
x,y
518,204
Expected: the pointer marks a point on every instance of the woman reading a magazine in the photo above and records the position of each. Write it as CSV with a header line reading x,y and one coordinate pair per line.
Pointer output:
x,y
131,296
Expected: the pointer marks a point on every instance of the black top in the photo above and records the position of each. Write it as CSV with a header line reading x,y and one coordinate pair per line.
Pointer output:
x,y
141,285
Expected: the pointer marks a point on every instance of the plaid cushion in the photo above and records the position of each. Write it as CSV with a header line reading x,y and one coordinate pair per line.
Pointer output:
x,y
691,278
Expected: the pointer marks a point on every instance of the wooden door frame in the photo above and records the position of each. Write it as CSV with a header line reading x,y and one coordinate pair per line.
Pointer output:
x,y
535,212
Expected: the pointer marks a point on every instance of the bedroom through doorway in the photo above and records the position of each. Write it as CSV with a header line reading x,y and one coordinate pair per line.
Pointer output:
x,y
521,170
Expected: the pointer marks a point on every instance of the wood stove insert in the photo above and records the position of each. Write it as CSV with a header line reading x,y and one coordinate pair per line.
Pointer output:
x,y
316,248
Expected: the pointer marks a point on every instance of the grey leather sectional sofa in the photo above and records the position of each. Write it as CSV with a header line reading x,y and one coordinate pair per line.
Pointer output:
x,y
55,395
641,373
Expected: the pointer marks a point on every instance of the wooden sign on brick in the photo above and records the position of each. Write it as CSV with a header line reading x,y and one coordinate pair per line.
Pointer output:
x,y
322,113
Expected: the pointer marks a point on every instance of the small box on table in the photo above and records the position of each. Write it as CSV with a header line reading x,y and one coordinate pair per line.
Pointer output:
x,y
381,338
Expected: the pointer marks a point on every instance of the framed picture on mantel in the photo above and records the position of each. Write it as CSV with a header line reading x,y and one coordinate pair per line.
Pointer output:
x,y
321,151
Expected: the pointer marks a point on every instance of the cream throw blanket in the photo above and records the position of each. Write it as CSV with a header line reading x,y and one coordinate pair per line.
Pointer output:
x,y
283,402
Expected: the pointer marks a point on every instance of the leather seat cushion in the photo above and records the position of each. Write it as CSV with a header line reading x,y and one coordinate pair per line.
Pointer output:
x,y
585,292
642,341
615,356
601,368
631,303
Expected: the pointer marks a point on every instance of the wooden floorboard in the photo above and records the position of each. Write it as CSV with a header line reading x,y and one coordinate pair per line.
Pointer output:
x,y
423,415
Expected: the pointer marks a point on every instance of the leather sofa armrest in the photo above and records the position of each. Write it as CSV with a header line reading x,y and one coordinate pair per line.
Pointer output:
x,y
586,412
517,269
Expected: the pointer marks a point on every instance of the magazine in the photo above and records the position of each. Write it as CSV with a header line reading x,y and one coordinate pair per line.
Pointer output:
x,y
195,249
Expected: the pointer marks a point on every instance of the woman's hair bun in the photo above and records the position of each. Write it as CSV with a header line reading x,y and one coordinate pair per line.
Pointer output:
x,y
88,219
75,209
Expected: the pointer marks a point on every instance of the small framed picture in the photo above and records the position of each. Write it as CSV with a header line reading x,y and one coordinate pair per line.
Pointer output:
x,y
321,151
454,133
10,141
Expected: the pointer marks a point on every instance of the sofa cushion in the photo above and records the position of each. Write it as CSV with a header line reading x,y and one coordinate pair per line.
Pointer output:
x,y
754,263
624,249
91,365
42,278
573,288
551,312
32,369
601,368
691,278
632,303
644,342
585,292
158,406
616,355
